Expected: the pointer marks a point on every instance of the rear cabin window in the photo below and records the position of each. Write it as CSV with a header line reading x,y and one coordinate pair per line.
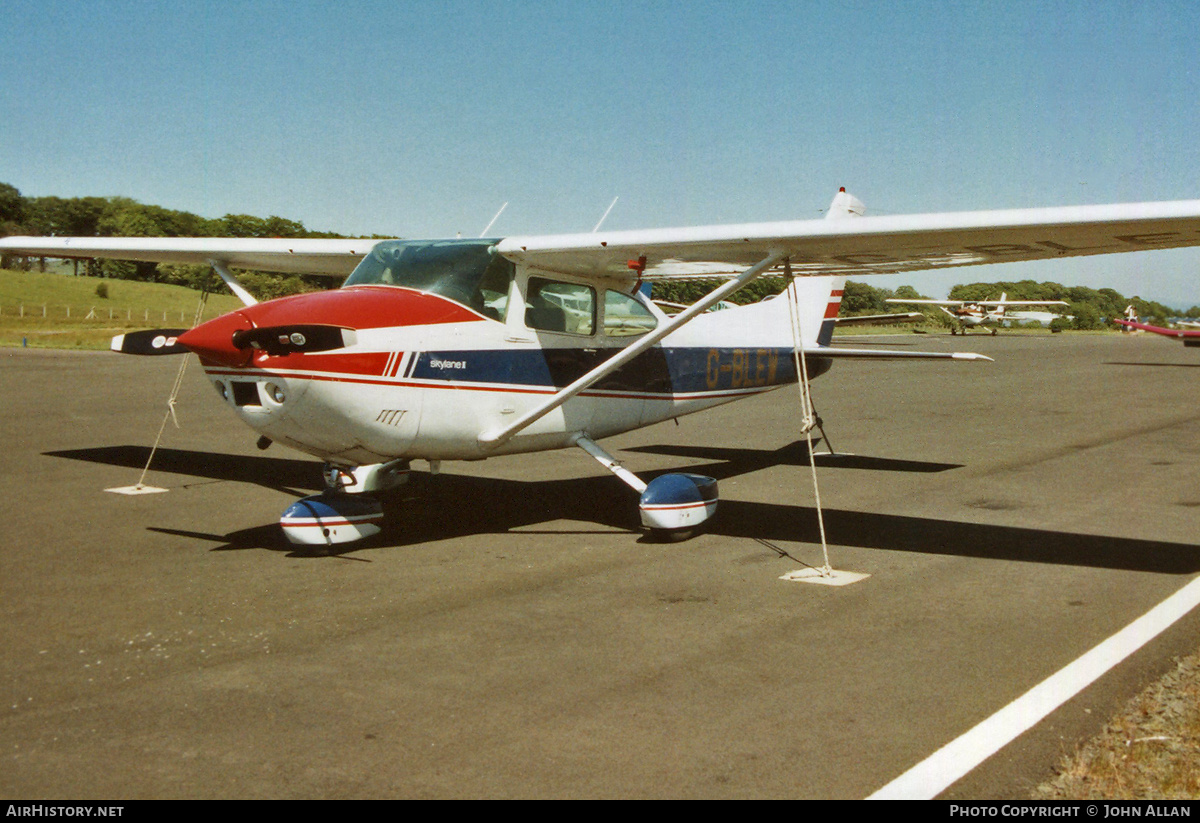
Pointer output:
x,y
624,316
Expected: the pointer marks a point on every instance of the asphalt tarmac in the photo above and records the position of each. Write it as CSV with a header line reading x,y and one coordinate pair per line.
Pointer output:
x,y
515,635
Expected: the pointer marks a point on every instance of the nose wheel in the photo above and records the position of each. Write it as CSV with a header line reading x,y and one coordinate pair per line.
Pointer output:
x,y
347,511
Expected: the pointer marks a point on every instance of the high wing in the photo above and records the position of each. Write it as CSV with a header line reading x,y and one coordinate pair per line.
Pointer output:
x,y
855,247
1021,303
934,302
996,303
293,256
866,245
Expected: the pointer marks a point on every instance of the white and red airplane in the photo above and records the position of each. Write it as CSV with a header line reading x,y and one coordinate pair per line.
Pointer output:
x,y
991,313
467,349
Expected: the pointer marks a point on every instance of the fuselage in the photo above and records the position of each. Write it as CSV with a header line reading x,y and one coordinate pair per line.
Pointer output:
x,y
436,360
978,316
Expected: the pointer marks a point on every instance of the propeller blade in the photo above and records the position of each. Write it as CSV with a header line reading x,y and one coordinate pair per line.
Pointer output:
x,y
151,341
283,340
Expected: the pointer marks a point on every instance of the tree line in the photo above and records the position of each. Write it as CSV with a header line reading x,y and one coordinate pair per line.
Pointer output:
x,y
125,217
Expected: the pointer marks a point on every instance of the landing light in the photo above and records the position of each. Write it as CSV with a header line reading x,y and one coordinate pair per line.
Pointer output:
x,y
276,393
221,390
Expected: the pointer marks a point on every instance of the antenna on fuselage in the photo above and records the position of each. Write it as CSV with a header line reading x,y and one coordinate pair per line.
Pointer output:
x,y
605,215
494,219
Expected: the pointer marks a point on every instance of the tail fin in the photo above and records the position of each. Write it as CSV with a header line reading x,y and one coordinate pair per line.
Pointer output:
x,y
819,299
829,321
845,205
771,323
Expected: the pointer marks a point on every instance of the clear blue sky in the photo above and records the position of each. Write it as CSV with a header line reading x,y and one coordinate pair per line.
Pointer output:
x,y
421,119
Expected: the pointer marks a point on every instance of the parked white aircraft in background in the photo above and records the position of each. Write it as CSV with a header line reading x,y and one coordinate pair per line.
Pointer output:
x,y
467,349
993,313
1044,318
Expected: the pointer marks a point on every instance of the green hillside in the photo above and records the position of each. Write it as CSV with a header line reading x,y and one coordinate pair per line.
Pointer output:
x,y
58,310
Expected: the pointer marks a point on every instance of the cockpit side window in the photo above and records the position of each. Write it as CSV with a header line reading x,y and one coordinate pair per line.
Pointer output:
x,y
551,305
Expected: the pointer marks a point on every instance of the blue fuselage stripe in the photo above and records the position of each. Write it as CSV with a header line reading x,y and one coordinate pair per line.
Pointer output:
x,y
658,371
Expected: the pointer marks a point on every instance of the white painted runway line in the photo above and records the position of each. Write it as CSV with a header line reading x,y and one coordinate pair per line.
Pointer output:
x,y
937,772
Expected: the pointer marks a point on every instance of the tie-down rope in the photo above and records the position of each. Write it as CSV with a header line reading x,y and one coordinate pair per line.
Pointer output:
x,y
810,419
174,393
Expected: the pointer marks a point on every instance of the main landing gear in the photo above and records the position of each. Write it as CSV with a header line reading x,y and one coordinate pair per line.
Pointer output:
x,y
673,506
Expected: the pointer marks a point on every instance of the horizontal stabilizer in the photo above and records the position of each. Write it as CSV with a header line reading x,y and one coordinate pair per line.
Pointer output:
x,y
150,341
884,354
870,319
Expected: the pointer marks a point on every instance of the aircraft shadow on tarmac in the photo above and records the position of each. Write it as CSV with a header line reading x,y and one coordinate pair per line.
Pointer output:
x,y
1170,365
742,461
430,508
279,473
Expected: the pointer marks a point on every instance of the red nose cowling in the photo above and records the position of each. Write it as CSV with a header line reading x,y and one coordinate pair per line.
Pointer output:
x,y
357,307
213,340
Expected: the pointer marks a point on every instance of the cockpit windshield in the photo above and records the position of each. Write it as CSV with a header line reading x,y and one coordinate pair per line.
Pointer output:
x,y
466,271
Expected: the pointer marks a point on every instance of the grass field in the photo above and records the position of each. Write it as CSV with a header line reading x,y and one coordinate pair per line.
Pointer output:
x,y
61,311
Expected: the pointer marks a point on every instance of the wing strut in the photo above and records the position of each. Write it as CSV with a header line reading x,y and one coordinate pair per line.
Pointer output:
x,y
495,437
609,462
234,286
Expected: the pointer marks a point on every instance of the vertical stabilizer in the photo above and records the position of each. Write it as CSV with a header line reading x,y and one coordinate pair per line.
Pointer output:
x,y
819,299
837,286
845,205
